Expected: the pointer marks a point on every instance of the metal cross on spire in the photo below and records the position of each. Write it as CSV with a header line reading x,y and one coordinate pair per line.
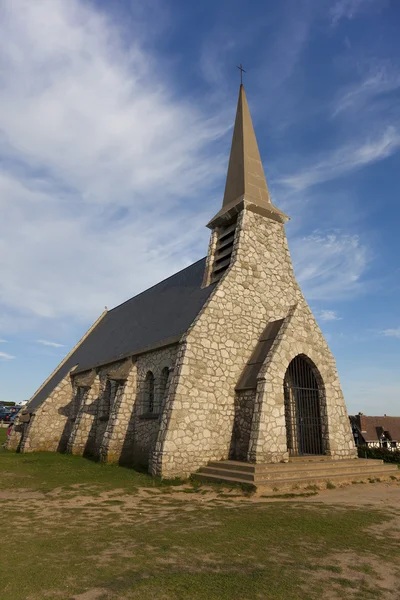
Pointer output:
x,y
240,67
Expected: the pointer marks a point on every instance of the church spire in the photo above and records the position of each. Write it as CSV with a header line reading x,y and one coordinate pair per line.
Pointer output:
x,y
245,182
245,170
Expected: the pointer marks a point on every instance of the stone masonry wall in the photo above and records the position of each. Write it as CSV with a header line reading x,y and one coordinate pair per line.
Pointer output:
x,y
96,432
17,432
128,435
131,432
244,408
117,428
46,428
74,421
146,426
258,287
80,439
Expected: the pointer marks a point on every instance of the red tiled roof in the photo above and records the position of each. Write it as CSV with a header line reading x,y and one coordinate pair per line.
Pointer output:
x,y
371,428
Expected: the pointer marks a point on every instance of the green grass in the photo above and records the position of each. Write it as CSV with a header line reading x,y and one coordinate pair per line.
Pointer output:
x,y
105,535
47,470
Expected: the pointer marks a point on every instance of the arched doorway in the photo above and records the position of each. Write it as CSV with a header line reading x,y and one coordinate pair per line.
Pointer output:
x,y
303,408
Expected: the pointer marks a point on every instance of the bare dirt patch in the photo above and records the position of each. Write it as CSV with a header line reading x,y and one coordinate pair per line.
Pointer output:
x,y
93,594
156,503
383,495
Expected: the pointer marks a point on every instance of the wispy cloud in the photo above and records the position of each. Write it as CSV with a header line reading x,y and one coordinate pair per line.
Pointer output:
x,y
3,341
349,9
392,332
381,78
100,160
329,315
5,356
47,343
345,160
329,265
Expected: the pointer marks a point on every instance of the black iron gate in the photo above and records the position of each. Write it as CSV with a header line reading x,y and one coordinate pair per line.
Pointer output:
x,y
302,409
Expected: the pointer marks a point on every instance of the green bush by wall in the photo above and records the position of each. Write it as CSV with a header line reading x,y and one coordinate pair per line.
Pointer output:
x,y
381,453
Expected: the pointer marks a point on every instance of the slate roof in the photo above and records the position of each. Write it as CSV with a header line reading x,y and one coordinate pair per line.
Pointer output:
x,y
371,428
156,317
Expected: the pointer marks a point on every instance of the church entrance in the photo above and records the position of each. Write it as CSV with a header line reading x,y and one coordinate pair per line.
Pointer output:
x,y
302,409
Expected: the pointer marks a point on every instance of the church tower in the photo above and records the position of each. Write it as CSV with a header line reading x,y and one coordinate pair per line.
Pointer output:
x,y
245,187
255,379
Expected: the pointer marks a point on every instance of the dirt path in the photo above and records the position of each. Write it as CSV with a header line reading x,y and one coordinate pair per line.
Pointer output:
x,y
382,495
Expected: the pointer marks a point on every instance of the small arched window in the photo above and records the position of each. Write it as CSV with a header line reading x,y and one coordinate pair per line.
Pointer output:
x,y
149,392
163,384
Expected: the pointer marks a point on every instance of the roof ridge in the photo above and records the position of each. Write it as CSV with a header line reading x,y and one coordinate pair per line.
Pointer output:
x,y
382,416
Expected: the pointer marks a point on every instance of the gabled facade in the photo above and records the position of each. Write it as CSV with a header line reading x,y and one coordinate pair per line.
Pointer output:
x,y
223,360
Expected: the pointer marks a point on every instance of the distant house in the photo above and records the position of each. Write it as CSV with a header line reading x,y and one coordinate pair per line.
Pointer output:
x,y
376,432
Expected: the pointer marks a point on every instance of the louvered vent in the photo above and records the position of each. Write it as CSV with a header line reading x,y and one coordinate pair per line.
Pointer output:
x,y
223,251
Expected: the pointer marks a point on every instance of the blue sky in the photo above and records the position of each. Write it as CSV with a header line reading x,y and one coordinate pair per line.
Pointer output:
x,y
115,126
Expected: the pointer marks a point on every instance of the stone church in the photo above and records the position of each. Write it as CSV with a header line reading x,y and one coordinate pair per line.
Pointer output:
x,y
223,360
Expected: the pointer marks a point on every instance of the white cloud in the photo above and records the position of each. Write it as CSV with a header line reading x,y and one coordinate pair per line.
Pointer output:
x,y
381,78
345,159
3,341
329,265
329,315
100,164
5,356
47,343
392,332
349,9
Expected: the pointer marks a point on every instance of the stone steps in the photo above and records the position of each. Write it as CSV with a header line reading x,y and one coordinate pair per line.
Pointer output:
x,y
296,474
296,466
286,474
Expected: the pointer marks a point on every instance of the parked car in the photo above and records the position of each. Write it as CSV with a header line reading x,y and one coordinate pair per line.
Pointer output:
x,y
13,411
6,412
3,412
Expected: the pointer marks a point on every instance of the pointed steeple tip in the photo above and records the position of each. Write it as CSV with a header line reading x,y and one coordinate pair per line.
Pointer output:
x,y
245,180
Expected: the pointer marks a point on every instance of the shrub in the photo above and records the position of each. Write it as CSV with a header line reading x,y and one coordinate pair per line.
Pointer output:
x,y
380,453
